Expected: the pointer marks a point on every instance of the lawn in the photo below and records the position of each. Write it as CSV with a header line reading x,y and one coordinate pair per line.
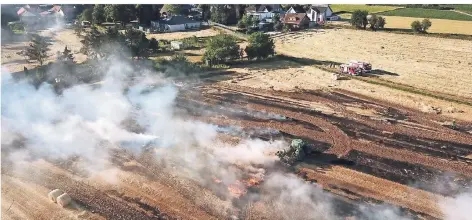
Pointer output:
x,y
428,13
369,8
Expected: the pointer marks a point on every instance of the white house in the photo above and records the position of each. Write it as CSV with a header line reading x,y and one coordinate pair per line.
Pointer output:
x,y
175,23
319,13
264,12
295,10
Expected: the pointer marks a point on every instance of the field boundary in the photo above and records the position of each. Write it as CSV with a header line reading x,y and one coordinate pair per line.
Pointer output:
x,y
406,31
231,31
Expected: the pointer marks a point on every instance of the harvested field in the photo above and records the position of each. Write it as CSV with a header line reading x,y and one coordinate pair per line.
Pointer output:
x,y
340,137
275,75
405,59
14,62
181,35
438,25
370,8
177,149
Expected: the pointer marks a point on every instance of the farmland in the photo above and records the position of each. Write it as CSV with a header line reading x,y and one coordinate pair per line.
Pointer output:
x,y
428,13
439,25
369,8
179,148
464,8
405,59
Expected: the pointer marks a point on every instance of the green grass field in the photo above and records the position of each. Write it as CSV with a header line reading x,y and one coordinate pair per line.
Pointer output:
x,y
464,8
427,13
369,8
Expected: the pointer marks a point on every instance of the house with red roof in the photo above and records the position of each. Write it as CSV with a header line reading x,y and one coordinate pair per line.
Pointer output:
x,y
296,21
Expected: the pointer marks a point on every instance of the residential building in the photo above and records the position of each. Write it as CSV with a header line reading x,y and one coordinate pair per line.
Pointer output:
x,y
319,13
296,21
175,23
264,12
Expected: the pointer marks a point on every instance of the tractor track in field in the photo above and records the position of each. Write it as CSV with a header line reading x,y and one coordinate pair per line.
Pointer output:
x,y
395,144
363,151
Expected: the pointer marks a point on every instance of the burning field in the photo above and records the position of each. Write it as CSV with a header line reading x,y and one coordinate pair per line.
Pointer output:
x,y
151,148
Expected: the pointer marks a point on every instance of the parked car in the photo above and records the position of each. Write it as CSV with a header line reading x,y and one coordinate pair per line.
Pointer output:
x,y
85,23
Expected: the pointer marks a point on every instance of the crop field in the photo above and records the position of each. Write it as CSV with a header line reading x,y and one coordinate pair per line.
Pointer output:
x,y
464,8
438,25
428,13
353,7
179,148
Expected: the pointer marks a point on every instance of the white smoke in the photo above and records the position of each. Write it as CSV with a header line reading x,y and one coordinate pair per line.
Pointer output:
x,y
78,122
295,199
457,208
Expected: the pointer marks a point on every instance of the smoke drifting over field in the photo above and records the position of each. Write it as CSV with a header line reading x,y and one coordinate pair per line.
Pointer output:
x,y
87,122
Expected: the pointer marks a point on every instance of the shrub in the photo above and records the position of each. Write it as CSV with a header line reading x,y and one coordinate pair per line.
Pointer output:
x,y
425,25
17,27
381,22
221,48
416,26
359,19
278,26
260,46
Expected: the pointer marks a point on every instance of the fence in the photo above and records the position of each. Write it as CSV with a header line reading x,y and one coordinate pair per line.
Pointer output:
x,y
231,31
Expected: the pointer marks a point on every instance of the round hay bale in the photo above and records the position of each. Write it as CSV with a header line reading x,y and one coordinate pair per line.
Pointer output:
x,y
54,194
64,200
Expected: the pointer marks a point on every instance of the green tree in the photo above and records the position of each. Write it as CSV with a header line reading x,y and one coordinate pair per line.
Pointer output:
x,y
416,26
359,19
145,14
111,13
245,22
286,28
92,43
98,14
137,43
205,11
260,46
380,22
65,56
153,45
276,18
220,14
255,20
86,15
121,13
221,48
425,25
278,26
172,9
38,49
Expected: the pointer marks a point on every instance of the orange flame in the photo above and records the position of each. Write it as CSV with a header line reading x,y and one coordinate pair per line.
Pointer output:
x,y
216,180
253,181
237,189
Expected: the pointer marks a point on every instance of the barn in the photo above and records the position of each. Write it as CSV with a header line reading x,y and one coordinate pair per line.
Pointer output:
x,y
175,23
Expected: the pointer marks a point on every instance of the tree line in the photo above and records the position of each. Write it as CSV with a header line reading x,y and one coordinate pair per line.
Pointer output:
x,y
361,18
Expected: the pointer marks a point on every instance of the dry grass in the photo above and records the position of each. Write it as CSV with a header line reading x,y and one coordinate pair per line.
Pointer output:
x,y
369,8
439,25
14,62
288,75
433,64
182,35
